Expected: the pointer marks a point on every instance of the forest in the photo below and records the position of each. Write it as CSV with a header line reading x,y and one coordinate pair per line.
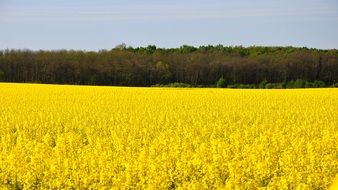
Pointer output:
x,y
204,66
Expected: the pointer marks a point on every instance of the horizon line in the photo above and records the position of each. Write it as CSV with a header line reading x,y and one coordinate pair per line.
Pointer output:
x,y
165,48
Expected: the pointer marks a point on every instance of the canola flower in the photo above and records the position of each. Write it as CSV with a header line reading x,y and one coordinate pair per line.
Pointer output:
x,y
86,137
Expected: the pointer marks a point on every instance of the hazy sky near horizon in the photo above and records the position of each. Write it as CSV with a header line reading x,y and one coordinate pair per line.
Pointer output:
x,y
102,24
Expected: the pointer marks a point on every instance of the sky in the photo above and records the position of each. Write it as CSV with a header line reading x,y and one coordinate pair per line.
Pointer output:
x,y
102,24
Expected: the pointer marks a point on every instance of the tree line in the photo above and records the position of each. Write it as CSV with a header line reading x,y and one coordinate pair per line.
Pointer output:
x,y
196,66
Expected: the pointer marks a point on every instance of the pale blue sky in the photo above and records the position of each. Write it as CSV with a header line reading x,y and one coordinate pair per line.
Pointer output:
x,y
101,24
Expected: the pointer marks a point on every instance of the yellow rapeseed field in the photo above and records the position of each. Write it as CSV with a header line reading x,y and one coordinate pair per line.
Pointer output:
x,y
80,137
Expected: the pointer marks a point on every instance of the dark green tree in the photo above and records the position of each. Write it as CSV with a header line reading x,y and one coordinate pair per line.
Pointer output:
x,y
221,83
299,83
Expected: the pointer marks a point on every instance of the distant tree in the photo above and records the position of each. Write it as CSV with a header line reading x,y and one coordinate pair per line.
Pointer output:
x,y
263,84
289,84
121,46
221,83
187,49
318,84
299,83
308,84
163,73
151,49
269,86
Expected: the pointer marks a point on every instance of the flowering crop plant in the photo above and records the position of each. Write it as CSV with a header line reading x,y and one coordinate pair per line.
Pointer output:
x,y
87,137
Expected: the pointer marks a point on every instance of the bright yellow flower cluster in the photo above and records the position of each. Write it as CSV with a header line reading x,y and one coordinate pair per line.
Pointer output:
x,y
56,137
